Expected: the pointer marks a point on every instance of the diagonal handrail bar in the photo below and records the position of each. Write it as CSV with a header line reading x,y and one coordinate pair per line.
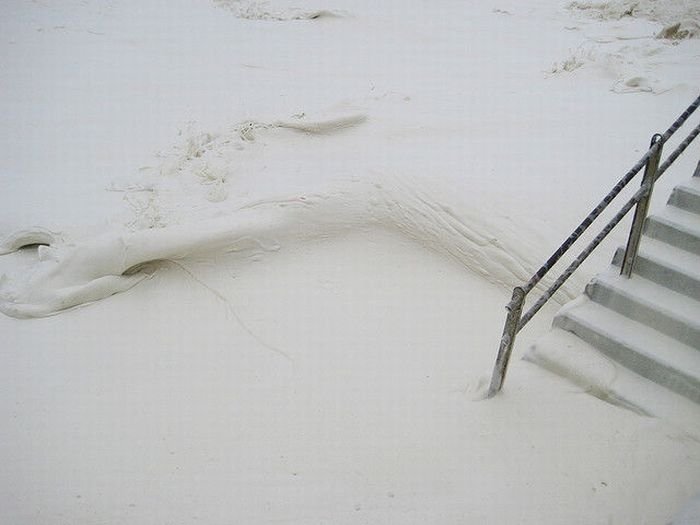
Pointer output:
x,y
515,321
641,193
677,152
614,192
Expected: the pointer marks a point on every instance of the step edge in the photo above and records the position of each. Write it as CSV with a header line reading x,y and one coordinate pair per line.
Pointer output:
x,y
671,302
579,313
649,366
662,253
672,322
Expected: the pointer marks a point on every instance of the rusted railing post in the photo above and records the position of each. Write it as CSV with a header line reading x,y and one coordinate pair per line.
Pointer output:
x,y
510,329
640,212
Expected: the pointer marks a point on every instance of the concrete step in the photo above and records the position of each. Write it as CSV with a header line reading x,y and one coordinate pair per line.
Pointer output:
x,y
634,345
677,227
671,313
564,354
667,265
687,196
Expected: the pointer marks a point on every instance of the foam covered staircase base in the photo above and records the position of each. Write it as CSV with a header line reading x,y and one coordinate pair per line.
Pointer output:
x,y
634,345
648,323
590,371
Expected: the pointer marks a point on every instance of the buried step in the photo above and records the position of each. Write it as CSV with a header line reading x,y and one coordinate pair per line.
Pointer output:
x,y
634,345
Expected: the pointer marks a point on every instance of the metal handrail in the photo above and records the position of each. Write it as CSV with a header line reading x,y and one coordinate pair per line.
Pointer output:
x,y
515,320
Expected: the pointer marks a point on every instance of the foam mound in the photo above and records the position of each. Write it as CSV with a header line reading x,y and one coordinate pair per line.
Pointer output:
x,y
679,18
65,276
256,10
680,30
198,205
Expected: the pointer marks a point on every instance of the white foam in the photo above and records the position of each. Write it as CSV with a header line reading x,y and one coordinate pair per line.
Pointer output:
x,y
663,11
96,268
261,10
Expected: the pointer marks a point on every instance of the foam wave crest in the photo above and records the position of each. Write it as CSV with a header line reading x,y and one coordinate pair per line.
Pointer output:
x,y
186,223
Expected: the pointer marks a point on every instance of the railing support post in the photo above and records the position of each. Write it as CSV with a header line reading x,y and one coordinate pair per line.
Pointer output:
x,y
510,329
640,212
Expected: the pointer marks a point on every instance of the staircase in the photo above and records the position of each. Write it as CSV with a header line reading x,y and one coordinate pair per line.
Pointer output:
x,y
650,322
